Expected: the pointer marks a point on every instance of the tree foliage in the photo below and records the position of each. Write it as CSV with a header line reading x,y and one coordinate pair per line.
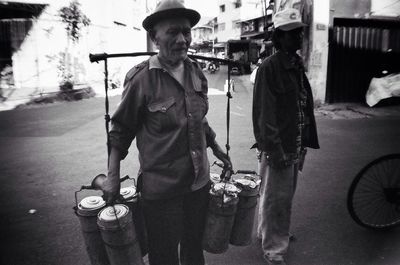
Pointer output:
x,y
74,20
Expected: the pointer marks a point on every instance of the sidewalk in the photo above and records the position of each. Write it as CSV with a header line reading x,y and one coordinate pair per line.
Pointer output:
x,y
356,111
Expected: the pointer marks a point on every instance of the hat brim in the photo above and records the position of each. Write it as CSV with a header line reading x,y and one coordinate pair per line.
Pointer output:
x,y
192,15
292,26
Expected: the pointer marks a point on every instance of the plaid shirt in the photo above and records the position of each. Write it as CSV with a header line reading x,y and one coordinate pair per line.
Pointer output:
x,y
301,106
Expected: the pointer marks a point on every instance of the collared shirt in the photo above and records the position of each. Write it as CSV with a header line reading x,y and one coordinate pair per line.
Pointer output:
x,y
169,123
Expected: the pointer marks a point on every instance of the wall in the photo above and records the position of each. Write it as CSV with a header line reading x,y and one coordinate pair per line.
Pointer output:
x,y
251,9
231,14
318,63
35,63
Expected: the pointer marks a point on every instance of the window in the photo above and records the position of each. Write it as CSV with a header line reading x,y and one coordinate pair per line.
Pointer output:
x,y
235,24
238,3
222,8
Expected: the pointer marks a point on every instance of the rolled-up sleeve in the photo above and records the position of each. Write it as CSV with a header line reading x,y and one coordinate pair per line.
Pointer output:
x,y
127,119
265,126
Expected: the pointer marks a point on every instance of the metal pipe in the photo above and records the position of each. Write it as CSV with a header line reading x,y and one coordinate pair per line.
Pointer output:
x,y
103,56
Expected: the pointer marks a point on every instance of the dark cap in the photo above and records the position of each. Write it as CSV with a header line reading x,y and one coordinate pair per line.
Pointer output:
x,y
170,9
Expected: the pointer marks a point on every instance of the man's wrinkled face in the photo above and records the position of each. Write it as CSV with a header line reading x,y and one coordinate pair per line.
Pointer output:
x,y
173,37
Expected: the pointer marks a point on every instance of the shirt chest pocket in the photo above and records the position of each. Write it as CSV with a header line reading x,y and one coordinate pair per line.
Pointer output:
x,y
163,115
199,98
200,103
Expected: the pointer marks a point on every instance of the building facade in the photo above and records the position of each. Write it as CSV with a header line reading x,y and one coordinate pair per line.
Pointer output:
x,y
37,44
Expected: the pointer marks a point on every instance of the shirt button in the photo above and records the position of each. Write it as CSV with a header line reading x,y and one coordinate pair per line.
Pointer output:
x,y
190,115
193,153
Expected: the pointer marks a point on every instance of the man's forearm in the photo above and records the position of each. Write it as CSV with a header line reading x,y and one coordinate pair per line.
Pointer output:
x,y
111,186
114,164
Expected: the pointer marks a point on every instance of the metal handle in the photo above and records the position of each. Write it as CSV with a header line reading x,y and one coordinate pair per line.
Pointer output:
x,y
91,187
97,57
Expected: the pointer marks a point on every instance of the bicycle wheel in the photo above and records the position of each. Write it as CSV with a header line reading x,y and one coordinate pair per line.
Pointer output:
x,y
373,199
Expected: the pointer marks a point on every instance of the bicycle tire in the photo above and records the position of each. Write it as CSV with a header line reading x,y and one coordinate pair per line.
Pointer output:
x,y
366,201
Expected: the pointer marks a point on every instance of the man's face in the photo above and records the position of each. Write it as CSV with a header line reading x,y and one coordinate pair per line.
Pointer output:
x,y
173,37
292,40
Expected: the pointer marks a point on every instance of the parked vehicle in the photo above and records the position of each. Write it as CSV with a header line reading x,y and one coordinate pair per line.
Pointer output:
x,y
212,67
243,51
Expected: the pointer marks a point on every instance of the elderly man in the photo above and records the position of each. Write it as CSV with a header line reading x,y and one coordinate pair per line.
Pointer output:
x,y
284,125
163,105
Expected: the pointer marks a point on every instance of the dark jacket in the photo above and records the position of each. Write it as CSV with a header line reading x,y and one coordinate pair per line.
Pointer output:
x,y
275,114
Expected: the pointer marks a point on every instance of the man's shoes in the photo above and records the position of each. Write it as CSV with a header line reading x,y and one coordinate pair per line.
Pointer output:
x,y
275,262
291,238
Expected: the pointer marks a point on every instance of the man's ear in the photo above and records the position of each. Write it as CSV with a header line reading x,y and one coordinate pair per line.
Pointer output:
x,y
152,34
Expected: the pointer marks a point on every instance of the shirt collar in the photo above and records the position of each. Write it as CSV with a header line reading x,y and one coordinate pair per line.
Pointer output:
x,y
155,63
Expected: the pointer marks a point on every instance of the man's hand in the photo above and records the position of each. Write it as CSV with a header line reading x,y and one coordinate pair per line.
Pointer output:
x,y
278,158
219,153
227,170
224,158
111,189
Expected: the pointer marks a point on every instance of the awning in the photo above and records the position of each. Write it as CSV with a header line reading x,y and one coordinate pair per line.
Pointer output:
x,y
21,9
253,35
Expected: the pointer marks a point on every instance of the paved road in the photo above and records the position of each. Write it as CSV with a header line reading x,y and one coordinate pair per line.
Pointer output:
x,y
47,152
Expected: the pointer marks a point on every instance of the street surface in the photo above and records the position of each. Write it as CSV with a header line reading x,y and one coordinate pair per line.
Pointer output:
x,y
49,151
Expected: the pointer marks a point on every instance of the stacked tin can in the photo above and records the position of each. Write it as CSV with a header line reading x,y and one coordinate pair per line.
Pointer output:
x,y
87,211
242,229
131,198
220,216
119,236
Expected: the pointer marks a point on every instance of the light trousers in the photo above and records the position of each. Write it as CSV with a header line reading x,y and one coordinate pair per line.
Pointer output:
x,y
278,186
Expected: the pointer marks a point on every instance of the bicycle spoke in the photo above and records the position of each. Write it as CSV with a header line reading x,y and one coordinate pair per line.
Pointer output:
x,y
396,173
392,217
364,202
369,177
378,213
370,209
368,184
395,215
